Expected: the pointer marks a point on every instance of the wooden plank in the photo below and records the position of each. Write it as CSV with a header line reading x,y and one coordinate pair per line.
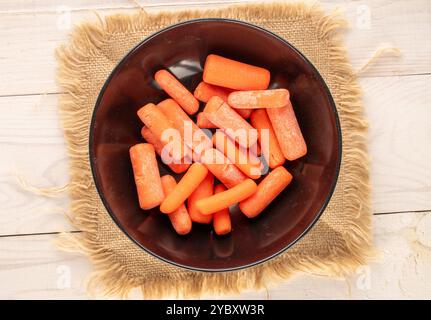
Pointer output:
x,y
30,267
31,145
402,24
399,115
400,271
400,124
30,38
22,6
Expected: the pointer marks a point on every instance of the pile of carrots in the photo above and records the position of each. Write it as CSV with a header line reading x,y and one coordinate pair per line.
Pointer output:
x,y
236,98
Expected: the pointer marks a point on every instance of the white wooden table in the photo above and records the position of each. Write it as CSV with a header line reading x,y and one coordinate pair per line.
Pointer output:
x,y
396,97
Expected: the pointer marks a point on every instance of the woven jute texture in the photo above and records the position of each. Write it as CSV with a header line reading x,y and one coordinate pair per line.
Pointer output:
x,y
335,246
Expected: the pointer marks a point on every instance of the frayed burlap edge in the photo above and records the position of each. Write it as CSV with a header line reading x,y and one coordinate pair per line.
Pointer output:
x,y
110,276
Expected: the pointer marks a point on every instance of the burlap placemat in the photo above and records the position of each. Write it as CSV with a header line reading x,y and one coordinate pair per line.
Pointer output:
x,y
336,245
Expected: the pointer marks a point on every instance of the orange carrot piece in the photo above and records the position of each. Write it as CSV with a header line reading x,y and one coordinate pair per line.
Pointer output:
x,y
269,144
288,132
158,146
188,183
204,190
213,104
267,190
224,117
245,113
147,176
205,91
248,163
259,99
227,198
203,122
222,168
177,91
258,148
180,218
192,135
160,126
155,120
233,74
221,219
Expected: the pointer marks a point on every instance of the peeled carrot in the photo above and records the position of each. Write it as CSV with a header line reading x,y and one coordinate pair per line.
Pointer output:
x,y
158,146
163,130
258,149
203,122
227,198
288,133
268,141
213,104
221,219
233,74
224,117
180,218
192,135
245,113
267,190
188,183
248,163
147,176
222,168
204,190
259,99
177,91
205,91
155,120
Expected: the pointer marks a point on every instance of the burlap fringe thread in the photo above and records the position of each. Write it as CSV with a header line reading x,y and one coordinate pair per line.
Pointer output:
x,y
110,277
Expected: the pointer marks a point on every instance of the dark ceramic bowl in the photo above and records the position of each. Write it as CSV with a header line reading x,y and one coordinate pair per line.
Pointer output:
x,y
182,49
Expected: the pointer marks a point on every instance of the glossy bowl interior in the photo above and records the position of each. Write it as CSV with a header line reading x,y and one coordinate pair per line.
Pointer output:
x,y
182,49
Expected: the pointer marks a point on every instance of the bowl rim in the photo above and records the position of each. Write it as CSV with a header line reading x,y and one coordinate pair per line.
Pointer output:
x,y
120,64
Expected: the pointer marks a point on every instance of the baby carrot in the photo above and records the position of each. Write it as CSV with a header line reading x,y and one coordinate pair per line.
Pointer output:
x,y
213,104
180,218
158,146
244,160
288,133
258,149
227,198
267,190
205,91
269,144
233,74
221,219
222,168
203,122
147,176
224,117
192,135
245,113
204,190
259,99
188,183
160,126
177,91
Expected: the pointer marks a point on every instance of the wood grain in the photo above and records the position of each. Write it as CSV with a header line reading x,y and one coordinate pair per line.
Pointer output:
x,y
399,116
31,267
30,38
31,145
22,6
